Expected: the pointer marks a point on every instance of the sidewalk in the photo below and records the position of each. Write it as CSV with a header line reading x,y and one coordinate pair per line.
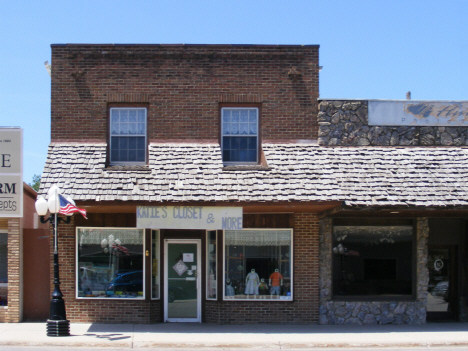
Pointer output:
x,y
271,337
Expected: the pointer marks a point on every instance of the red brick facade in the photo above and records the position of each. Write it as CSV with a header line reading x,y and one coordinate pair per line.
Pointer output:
x,y
183,87
302,310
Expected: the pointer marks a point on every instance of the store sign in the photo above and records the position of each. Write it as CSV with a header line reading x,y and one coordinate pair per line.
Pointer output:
x,y
11,172
418,113
189,217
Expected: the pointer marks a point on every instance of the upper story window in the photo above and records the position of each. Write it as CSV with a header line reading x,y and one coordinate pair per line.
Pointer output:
x,y
239,135
127,135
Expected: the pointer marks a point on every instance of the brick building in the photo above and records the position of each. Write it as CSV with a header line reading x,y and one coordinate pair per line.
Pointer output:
x,y
217,191
23,294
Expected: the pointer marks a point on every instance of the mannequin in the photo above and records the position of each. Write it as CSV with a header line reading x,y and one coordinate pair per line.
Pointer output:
x,y
251,283
263,287
229,289
276,281
211,285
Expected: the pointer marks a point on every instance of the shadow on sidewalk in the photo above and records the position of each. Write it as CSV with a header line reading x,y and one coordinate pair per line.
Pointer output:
x,y
206,328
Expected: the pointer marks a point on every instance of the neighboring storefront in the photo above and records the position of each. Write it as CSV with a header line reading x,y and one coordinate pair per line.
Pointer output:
x,y
395,253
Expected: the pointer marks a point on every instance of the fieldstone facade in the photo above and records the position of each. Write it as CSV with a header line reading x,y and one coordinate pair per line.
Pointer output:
x,y
372,312
345,123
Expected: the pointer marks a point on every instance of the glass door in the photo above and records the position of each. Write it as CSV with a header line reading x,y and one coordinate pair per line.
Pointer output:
x,y
442,296
182,298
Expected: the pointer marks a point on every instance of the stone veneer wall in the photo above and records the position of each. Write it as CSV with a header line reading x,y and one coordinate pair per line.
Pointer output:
x,y
372,312
345,123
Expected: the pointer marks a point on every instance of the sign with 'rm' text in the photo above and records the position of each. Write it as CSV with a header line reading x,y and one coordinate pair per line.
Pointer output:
x,y
11,172
189,217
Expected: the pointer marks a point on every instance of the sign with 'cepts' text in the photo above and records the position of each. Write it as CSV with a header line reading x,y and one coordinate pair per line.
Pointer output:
x,y
189,217
11,172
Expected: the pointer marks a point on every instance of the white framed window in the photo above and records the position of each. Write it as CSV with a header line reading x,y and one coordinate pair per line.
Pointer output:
x,y
258,264
155,266
110,263
211,265
128,135
239,135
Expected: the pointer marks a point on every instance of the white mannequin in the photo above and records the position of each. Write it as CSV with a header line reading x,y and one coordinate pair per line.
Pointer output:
x,y
251,283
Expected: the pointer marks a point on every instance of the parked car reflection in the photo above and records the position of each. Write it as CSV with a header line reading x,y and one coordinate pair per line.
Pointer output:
x,y
126,282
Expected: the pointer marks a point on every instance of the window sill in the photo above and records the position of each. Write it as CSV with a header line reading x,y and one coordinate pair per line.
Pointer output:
x,y
127,168
246,168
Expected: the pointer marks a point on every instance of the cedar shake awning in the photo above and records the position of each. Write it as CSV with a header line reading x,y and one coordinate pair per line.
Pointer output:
x,y
355,176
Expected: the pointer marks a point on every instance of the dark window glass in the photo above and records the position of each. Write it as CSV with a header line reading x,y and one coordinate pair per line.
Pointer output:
x,y
372,260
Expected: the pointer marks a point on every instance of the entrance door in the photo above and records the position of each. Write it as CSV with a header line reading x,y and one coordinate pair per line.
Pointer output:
x,y
182,288
442,296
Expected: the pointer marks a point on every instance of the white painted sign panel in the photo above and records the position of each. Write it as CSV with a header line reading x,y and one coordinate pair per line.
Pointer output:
x,y
11,172
189,217
418,113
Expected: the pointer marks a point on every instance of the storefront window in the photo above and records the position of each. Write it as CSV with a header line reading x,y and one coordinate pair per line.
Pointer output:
x,y
155,276
211,288
258,264
110,263
372,260
3,269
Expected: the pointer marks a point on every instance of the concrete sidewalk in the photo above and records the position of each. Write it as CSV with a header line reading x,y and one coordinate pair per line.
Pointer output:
x,y
272,337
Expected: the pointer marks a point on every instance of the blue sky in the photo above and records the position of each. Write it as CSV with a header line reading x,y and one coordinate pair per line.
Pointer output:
x,y
375,49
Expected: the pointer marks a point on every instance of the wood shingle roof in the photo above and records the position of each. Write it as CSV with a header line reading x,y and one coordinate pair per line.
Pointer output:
x,y
357,176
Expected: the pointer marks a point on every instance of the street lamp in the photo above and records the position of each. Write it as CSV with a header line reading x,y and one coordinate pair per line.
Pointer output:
x,y
57,324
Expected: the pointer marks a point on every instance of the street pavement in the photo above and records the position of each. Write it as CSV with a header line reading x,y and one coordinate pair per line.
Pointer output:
x,y
262,336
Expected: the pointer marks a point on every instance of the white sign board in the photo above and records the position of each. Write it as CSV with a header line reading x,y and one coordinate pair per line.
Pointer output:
x,y
418,113
11,172
189,217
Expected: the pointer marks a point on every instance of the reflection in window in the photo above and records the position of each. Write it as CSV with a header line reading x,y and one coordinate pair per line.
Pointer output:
x,y
3,269
155,277
211,289
258,264
110,263
372,260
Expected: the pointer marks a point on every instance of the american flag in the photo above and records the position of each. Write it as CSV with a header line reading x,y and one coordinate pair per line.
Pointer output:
x,y
121,248
66,207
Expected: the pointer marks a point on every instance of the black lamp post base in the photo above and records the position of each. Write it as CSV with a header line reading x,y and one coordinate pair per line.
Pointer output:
x,y
58,328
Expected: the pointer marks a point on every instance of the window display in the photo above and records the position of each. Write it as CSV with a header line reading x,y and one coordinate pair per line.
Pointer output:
x,y
211,285
110,263
372,260
258,264
155,276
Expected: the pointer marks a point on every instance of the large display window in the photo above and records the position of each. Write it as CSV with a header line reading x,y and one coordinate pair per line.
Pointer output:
x,y
110,263
258,264
373,260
